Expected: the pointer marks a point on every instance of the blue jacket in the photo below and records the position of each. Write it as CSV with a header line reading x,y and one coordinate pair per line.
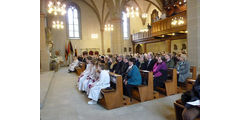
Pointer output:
x,y
134,76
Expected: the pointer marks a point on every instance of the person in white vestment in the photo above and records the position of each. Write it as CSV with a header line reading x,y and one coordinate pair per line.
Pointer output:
x,y
102,83
72,66
85,73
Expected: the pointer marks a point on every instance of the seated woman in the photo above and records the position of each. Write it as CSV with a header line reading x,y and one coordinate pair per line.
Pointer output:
x,y
133,78
85,73
159,72
191,112
183,69
74,64
102,83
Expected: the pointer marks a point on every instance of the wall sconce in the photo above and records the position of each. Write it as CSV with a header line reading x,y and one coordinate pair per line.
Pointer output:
x,y
94,36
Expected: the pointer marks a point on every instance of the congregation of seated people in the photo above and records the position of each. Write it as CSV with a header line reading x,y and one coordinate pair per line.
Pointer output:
x,y
96,74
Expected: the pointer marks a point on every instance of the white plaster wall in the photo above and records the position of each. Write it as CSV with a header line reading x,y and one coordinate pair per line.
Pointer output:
x,y
136,25
89,25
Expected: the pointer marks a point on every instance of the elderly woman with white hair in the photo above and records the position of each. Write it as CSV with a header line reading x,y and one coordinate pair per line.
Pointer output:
x,y
183,69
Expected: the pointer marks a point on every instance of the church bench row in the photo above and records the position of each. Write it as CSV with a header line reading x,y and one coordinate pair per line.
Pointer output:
x,y
171,82
179,107
114,98
145,91
80,69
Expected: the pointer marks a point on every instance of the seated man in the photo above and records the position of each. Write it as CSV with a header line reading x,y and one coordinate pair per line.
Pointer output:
x,y
192,111
169,61
150,61
72,66
132,79
102,83
118,67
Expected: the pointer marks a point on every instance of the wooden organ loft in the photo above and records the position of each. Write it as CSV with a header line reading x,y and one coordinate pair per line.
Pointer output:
x,y
173,27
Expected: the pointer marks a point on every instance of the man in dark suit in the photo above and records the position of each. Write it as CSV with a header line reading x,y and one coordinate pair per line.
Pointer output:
x,y
150,61
118,67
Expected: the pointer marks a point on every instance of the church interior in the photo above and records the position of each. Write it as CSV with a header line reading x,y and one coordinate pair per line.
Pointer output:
x,y
80,40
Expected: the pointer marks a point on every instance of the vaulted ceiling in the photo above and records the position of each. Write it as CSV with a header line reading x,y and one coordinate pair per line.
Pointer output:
x,y
105,8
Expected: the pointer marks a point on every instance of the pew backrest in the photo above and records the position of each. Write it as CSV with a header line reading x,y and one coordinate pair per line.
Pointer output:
x,y
193,70
116,81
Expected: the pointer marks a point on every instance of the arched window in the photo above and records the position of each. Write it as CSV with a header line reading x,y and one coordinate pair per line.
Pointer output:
x,y
125,26
73,18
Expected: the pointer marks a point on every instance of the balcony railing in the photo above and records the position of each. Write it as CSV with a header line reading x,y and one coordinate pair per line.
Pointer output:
x,y
141,35
162,27
165,26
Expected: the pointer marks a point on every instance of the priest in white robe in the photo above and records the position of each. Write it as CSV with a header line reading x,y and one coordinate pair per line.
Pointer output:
x,y
72,66
102,83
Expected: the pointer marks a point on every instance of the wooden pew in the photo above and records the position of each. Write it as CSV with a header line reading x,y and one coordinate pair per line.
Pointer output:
x,y
145,91
113,98
171,83
80,69
179,107
193,70
190,81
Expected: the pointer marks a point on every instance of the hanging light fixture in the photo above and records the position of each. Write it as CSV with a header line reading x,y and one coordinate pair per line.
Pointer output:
x,y
58,25
56,7
144,15
177,21
133,12
174,21
108,27
180,21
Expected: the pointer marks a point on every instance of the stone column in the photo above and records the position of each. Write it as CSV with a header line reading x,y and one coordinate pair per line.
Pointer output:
x,y
102,40
168,46
193,27
116,37
44,54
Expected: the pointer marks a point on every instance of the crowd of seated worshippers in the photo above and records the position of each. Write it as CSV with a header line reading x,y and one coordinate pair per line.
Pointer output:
x,y
129,67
